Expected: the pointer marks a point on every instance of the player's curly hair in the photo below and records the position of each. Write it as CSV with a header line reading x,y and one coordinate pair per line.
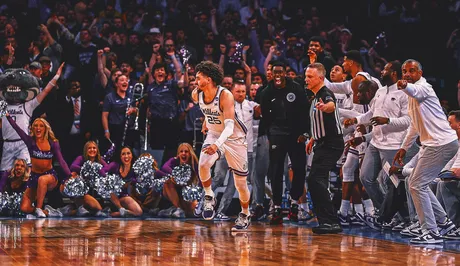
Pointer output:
x,y
212,70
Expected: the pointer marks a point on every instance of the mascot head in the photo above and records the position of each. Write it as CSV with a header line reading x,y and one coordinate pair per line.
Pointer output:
x,y
17,85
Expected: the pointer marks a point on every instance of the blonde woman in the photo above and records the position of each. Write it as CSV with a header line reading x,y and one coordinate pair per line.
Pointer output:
x,y
87,203
43,147
15,180
172,191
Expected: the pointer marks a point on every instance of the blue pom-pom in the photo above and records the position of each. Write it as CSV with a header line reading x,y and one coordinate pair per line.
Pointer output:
x,y
106,185
158,183
182,174
90,172
3,108
192,193
15,204
75,187
145,174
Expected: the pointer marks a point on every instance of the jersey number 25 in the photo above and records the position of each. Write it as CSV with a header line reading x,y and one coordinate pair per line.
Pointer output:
x,y
214,120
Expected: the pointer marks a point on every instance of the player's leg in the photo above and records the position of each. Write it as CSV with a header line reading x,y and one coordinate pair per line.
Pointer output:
x,y
205,163
237,159
348,170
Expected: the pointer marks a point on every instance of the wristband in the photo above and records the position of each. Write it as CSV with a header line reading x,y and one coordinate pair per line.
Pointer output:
x,y
106,131
56,77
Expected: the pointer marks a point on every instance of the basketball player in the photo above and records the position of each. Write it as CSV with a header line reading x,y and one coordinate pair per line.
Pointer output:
x,y
226,136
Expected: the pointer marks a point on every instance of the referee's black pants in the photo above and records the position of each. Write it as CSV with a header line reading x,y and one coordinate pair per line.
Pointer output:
x,y
279,147
324,160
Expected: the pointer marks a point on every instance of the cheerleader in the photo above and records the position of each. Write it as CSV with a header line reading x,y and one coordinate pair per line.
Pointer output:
x,y
123,166
15,180
171,190
87,203
43,147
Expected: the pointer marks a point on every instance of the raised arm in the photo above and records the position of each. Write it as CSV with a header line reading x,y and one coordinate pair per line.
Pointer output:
x,y
339,87
100,68
41,96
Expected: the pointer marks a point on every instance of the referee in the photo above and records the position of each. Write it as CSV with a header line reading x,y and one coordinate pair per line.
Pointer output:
x,y
284,108
327,143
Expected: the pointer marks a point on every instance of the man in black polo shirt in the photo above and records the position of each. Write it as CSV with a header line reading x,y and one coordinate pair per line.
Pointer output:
x,y
284,108
163,106
327,143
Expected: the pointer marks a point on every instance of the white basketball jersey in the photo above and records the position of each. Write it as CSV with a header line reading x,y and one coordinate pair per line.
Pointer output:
x,y
214,116
21,113
344,101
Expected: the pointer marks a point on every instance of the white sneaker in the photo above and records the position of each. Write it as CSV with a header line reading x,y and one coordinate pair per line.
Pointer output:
x,y
178,213
82,212
30,216
413,227
101,214
123,212
166,213
66,210
39,213
427,237
53,212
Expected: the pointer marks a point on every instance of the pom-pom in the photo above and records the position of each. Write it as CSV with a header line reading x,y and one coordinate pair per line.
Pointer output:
x,y
184,54
109,154
237,57
106,185
145,174
192,193
4,201
90,172
3,108
158,183
182,174
75,187
15,204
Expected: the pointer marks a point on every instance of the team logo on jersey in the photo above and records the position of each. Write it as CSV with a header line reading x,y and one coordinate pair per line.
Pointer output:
x,y
245,167
290,97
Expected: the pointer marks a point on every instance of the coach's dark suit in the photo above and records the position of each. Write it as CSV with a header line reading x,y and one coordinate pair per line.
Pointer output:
x,y
72,144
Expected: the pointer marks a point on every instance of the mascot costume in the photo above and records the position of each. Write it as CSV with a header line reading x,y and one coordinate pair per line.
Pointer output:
x,y
21,91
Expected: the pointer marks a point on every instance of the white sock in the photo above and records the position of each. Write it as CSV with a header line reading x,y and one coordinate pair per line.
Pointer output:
x,y
368,206
208,191
277,207
304,206
245,211
344,207
359,208
350,211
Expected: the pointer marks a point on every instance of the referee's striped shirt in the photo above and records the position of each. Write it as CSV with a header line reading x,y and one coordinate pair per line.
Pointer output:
x,y
324,125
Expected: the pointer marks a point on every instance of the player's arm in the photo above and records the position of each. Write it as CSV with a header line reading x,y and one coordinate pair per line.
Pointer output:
x,y
355,83
228,107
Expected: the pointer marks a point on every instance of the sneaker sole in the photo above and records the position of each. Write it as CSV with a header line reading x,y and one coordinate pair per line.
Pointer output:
x,y
208,218
323,232
408,234
239,230
439,241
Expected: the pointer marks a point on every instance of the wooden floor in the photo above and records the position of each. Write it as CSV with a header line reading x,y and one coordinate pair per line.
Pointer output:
x,y
193,242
